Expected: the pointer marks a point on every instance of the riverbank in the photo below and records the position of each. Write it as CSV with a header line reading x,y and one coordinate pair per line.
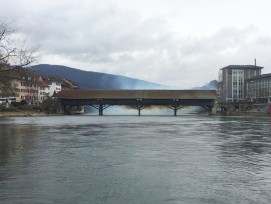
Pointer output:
x,y
258,114
241,109
12,113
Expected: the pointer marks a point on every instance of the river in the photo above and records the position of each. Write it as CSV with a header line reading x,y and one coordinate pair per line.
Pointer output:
x,y
131,159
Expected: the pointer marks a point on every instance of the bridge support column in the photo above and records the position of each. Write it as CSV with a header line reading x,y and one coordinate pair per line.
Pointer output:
x,y
175,110
66,110
101,109
175,106
139,107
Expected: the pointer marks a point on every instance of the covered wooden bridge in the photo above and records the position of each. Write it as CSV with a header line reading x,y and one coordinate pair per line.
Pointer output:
x,y
137,99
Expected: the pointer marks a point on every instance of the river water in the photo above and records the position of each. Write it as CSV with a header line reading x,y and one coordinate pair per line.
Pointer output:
x,y
131,159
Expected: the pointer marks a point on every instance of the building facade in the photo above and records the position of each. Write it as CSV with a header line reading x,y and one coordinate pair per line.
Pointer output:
x,y
28,85
54,85
22,84
43,91
25,85
259,88
232,79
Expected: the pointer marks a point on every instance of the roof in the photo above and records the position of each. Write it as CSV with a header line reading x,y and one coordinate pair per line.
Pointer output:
x,y
65,83
242,67
54,79
136,94
10,74
18,73
260,77
42,84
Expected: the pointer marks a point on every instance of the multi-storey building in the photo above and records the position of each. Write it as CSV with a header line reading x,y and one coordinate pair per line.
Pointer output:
x,y
30,86
259,88
24,85
43,91
232,81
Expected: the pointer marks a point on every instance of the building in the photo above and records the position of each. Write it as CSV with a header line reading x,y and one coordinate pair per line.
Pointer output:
x,y
54,85
68,84
232,81
259,88
22,84
43,89
28,85
57,84
9,80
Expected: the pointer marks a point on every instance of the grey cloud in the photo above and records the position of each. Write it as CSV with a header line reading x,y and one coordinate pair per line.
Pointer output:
x,y
106,37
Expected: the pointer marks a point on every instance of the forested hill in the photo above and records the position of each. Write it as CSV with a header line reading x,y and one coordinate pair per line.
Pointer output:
x,y
93,80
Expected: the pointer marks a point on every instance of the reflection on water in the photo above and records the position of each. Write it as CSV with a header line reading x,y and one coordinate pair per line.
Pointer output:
x,y
14,140
126,159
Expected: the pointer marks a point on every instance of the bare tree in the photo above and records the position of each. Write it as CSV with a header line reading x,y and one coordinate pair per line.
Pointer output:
x,y
12,53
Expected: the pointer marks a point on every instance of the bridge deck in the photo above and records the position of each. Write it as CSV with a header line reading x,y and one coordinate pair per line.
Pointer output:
x,y
138,99
136,94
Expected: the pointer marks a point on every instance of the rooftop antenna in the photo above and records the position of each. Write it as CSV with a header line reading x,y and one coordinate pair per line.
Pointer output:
x,y
255,62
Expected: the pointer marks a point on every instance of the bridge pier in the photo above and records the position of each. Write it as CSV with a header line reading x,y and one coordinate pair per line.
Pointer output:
x,y
100,106
101,109
139,111
66,110
175,110
175,106
139,107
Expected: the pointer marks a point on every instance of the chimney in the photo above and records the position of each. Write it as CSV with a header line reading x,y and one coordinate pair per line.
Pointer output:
x,y
255,62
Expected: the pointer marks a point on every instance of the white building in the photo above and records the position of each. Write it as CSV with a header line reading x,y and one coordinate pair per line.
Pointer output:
x,y
54,85
43,92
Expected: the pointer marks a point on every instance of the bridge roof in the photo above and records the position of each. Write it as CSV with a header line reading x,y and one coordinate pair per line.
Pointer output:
x,y
135,94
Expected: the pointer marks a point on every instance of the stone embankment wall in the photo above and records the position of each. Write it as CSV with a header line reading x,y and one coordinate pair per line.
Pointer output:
x,y
259,109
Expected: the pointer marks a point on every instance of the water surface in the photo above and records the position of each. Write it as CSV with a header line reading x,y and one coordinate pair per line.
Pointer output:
x,y
130,159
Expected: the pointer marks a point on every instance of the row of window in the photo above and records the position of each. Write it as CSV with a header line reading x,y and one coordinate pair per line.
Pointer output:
x,y
28,85
28,78
43,93
29,98
29,91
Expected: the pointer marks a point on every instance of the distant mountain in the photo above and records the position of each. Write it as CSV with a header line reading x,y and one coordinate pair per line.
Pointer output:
x,y
211,85
93,80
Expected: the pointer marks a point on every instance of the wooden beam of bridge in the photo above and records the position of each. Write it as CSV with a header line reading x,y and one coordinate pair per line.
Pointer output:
x,y
138,99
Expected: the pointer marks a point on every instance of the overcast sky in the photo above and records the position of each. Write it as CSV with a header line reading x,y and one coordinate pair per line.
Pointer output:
x,y
182,43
